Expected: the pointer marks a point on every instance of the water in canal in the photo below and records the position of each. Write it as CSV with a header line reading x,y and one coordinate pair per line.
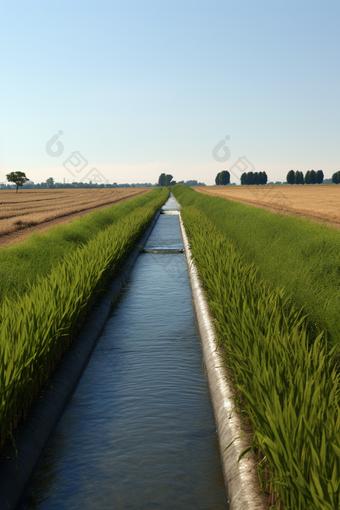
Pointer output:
x,y
139,431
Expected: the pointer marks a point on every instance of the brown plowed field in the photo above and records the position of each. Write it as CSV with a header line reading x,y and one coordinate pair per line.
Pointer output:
x,y
37,210
315,201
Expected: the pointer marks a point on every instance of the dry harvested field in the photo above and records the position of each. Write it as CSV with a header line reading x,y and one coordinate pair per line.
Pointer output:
x,y
316,201
36,210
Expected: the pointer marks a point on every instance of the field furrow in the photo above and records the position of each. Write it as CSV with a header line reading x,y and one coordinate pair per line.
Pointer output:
x,y
21,211
316,201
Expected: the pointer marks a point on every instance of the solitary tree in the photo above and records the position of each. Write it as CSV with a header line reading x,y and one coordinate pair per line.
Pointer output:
x,y
19,178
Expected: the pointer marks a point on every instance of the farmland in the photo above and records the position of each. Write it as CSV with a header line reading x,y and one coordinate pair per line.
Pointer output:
x,y
292,252
37,210
45,317
272,283
319,202
261,272
22,263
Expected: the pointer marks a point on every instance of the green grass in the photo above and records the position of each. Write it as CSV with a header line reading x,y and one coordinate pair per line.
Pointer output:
x,y
22,263
296,253
285,384
40,325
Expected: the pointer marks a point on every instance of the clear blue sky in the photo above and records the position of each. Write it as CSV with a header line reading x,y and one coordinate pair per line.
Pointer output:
x,y
142,87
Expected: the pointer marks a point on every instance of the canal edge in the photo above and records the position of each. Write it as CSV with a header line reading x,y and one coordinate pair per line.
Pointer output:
x,y
35,435
241,478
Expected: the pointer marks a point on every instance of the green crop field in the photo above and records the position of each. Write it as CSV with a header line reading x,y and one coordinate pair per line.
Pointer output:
x,y
38,325
282,365
290,252
21,264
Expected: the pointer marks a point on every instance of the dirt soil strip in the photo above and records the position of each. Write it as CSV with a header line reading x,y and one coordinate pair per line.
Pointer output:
x,y
34,436
278,210
23,233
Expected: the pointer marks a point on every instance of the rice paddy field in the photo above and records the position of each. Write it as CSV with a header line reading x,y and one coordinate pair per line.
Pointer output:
x,y
35,208
320,202
49,283
272,284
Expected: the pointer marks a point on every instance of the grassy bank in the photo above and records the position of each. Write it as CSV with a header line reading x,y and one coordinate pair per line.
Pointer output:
x,y
296,253
38,327
285,384
23,263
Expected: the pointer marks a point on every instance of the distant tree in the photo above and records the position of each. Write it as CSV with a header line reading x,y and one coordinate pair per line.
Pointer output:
x,y
224,177
249,178
319,177
264,178
291,177
19,178
167,180
299,179
312,177
191,183
307,177
29,185
336,177
217,179
50,182
254,178
260,178
161,180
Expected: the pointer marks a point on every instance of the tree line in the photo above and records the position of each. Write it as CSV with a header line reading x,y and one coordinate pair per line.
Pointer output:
x,y
20,179
251,178
311,177
74,185
167,180
191,182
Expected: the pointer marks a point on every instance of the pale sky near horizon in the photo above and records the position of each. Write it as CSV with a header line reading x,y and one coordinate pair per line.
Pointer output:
x,y
144,87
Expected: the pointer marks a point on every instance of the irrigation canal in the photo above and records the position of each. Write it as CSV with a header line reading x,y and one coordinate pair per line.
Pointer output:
x,y
139,431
